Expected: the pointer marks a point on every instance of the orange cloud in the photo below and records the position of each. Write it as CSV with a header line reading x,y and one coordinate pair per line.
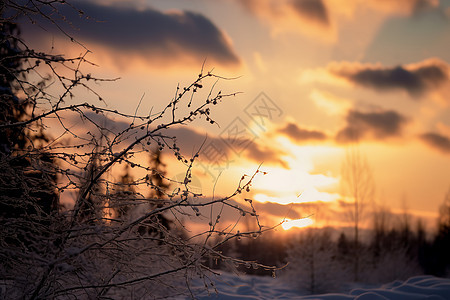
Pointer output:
x,y
329,103
310,17
407,7
399,7
317,18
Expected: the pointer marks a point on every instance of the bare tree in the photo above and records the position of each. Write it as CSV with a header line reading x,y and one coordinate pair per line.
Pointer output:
x,y
358,184
78,249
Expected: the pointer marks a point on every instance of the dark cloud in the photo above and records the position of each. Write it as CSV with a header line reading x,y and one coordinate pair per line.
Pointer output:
x,y
294,132
227,213
264,154
222,149
300,12
294,210
437,141
415,79
281,211
150,34
422,5
314,10
375,125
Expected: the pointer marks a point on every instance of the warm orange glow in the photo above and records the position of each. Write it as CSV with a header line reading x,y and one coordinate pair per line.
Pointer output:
x,y
307,195
300,183
330,103
300,223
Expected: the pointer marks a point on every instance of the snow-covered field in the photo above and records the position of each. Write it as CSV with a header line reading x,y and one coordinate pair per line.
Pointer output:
x,y
231,286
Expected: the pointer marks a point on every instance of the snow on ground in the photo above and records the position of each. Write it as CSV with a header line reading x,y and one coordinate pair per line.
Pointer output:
x,y
232,286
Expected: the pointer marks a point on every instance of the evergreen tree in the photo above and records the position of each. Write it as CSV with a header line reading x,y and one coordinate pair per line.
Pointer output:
x,y
90,208
27,176
159,185
442,240
158,182
29,203
123,195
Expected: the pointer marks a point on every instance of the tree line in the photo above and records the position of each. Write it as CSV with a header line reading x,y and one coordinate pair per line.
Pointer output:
x,y
322,260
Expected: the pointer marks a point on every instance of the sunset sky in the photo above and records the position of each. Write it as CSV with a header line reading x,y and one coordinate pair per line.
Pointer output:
x,y
312,74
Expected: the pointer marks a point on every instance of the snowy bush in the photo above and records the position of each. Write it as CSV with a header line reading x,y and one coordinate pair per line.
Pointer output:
x,y
313,264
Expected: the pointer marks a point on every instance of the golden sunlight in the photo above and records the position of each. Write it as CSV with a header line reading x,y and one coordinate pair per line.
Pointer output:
x,y
299,223
309,194
292,181
330,103
300,183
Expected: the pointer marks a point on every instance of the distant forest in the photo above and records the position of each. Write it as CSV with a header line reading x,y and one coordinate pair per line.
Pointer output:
x,y
323,260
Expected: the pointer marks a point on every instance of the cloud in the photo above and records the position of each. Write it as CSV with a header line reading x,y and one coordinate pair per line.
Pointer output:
x,y
373,125
415,79
294,132
318,18
223,149
265,154
278,210
403,6
313,10
309,17
437,141
153,36
388,7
